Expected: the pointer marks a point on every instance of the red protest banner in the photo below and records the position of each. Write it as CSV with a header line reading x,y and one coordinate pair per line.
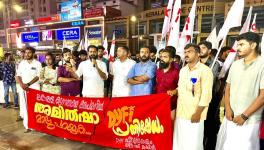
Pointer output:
x,y
141,122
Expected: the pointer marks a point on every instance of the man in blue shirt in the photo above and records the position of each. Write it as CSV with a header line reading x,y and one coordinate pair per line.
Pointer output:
x,y
9,71
142,74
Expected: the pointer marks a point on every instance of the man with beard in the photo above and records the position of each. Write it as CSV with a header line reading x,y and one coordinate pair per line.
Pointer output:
x,y
206,58
69,85
167,78
212,123
120,69
244,96
28,74
194,95
142,74
94,74
101,50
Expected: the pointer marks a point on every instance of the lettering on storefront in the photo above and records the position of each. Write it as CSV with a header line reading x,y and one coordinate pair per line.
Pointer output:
x,y
69,33
201,8
155,13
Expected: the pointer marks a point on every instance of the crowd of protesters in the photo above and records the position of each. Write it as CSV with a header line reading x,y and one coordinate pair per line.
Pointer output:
x,y
194,86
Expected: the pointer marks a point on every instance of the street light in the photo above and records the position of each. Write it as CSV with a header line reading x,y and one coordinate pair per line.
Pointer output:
x,y
7,14
135,19
1,4
17,8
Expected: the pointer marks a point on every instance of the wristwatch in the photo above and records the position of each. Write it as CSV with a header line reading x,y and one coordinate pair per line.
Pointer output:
x,y
244,117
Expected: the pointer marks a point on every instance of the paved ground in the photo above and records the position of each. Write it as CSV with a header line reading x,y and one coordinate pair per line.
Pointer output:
x,y
12,137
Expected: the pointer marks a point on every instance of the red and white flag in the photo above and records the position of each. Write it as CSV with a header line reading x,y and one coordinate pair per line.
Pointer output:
x,y
175,24
105,45
232,54
112,50
233,19
253,27
187,33
213,38
167,19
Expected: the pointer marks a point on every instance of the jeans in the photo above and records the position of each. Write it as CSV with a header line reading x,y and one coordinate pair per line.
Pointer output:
x,y
6,93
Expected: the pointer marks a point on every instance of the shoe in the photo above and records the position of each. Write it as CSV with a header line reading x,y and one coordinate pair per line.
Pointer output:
x,y
19,119
6,106
27,131
16,106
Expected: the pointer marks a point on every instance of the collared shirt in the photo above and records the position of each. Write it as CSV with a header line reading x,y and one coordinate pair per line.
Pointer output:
x,y
216,68
120,71
168,81
9,72
246,81
68,88
148,68
28,71
93,84
194,90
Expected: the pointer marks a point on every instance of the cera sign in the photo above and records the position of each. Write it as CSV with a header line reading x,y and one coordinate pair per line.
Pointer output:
x,y
68,34
30,37
95,32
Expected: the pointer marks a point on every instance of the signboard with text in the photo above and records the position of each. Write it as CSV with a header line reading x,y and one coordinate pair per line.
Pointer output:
x,y
93,12
141,122
71,10
68,34
94,32
30,37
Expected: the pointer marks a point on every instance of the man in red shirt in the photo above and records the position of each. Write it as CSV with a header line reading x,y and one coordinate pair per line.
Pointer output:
x,y
167,78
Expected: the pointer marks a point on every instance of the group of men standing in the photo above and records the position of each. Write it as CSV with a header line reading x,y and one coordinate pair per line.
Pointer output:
x,y
192,87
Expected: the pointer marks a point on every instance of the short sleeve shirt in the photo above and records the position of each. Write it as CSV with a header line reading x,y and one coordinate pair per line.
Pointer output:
x,y
246,81
28,71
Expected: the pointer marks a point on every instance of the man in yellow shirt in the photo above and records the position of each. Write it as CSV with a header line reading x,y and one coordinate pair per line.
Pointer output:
x,y
194,95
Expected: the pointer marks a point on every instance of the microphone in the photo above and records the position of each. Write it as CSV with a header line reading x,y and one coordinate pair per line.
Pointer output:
x,y
93,62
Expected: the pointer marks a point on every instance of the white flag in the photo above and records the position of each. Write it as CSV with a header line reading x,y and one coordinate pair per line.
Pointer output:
x,y
187,33
167,18
253,27
232,54
233,19
112,49
80,46
18,41
213,38
86,41
175,25
105,45
262,45
64,43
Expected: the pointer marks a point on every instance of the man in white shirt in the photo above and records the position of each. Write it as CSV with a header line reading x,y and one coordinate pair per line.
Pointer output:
x,y
120,69
28,73
94,73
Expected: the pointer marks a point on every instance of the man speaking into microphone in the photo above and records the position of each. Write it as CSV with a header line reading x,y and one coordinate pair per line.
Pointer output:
x,y
94,73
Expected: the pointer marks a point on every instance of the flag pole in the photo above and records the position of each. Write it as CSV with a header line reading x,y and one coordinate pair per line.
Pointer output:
x,y
218,52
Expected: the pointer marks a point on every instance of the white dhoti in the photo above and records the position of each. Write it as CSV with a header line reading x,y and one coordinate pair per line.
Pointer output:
x,y
23,107
234,137
21,101
187,135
